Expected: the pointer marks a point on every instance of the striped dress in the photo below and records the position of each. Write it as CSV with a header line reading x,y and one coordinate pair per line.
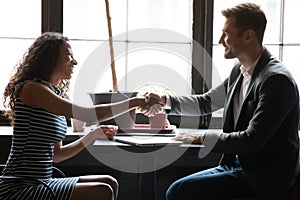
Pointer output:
x,y
34,134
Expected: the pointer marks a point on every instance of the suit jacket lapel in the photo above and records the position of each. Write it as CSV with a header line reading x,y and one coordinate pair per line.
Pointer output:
x,y
264,59
228,109
261,64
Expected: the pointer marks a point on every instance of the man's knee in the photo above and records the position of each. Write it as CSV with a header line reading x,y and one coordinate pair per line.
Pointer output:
x,y
171,192
181,189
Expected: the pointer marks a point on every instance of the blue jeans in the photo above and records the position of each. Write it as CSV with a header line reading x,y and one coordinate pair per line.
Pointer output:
x,y
219,183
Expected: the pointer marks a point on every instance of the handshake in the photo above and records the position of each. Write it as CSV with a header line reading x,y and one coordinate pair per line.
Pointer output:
x,y
154,104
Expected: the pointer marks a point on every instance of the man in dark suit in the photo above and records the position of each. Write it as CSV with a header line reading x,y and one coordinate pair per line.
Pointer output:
x,y
260,122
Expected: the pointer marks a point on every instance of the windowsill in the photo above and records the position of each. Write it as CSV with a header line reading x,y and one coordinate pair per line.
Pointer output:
x,y
216,120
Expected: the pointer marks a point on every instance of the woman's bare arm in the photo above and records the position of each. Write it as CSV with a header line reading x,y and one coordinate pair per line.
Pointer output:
x,y
36,94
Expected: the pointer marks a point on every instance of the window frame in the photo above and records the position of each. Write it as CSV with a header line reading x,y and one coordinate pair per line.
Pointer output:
x,y
52,20
52,16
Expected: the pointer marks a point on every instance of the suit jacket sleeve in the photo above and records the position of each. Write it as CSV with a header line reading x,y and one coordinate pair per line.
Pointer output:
x,y
197,105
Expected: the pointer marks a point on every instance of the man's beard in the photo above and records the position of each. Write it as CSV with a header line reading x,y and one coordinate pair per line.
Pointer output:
x,y
228,54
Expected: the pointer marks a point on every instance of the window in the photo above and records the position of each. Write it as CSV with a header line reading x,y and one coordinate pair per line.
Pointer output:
x,y
290,39
281,36
84,22
19,27
152,42
272,10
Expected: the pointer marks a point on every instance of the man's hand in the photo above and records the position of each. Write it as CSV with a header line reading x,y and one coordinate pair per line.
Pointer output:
x,y
189,138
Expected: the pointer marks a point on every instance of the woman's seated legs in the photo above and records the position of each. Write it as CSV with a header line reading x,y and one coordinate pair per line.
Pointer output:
x,y
96,187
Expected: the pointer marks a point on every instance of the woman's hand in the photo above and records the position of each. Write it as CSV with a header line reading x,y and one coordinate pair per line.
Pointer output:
x,y
105,132
63,152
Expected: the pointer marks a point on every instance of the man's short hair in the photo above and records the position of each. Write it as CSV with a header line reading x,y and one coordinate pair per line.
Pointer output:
x,y
248,16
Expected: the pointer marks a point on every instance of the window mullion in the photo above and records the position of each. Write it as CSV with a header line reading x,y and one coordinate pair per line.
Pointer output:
x,y
281,30
52,15
202,34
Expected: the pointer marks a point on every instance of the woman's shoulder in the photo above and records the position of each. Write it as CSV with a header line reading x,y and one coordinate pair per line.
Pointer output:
x,y
36,84
39,94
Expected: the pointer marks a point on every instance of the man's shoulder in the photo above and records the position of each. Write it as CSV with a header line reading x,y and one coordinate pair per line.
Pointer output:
x,y
275,71
275,67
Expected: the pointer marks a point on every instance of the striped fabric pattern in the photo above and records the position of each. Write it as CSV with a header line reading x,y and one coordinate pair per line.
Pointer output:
x,y
35,133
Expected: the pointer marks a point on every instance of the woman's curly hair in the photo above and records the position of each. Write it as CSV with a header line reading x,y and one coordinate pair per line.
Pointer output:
x,y
38,62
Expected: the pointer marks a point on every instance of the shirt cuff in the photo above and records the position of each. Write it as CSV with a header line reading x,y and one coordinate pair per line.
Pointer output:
x,y
168,103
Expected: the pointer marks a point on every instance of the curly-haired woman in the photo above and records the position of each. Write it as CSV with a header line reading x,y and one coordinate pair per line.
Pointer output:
x,y
37,107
